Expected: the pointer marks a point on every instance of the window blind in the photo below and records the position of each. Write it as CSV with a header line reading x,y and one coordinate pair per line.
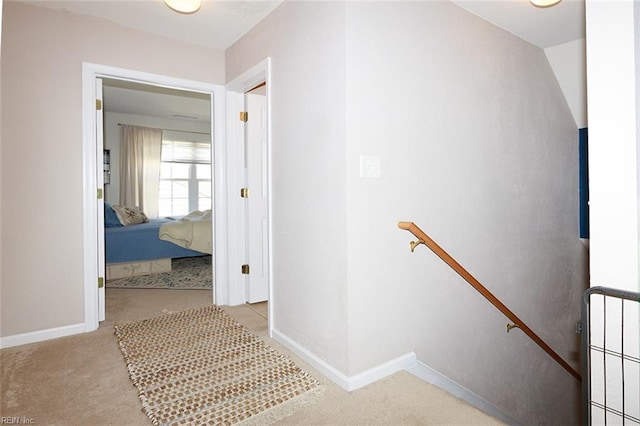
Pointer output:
x,y
186,152
186,147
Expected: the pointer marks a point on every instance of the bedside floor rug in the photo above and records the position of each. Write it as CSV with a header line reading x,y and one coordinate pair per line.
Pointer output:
x,y
202,367
186,273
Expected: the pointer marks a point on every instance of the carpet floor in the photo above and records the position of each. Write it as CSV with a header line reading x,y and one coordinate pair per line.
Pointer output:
x,y
82,379
186,273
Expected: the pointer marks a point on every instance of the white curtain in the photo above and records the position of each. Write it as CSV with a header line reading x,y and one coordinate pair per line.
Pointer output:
x,y
140,150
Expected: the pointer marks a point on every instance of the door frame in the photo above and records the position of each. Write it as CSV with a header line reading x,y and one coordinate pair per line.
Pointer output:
x,y
235,90
91,72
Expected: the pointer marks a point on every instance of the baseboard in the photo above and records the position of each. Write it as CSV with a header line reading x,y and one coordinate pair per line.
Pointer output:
x,y
381,371
432,376
348,383
41,336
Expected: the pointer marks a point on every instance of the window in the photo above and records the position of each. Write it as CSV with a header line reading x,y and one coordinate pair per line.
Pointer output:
x,y
185,173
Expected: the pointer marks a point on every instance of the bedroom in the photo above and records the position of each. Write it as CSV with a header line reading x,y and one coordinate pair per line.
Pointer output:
x,y
175,180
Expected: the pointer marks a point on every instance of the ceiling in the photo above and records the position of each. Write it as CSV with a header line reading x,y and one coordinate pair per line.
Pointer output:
x,y
543,27
135,98
219,24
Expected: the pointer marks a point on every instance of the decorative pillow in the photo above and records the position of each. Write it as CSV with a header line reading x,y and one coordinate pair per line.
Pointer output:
x,y
130,215
110,217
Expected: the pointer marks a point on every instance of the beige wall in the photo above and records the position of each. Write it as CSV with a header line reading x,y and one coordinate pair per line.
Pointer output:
x,y
479,148
306,43
41,267
477,145
1,9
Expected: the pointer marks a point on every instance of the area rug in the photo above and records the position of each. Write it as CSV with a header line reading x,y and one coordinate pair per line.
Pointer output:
x,y
202,367
186,273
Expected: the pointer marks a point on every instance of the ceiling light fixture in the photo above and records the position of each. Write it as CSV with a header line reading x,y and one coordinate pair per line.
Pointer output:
x,y
544,3
184,6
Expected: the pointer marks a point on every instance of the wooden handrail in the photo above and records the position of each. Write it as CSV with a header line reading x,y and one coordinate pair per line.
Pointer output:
x,y
439,251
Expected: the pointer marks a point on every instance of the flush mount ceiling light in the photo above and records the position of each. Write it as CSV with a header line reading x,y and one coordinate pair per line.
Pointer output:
x,y
184,6
544,3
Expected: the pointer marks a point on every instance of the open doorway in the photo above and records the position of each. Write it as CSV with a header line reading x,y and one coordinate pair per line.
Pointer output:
x,y
93,173
157,158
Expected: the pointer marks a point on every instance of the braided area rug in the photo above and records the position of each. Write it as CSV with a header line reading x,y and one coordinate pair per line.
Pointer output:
x,y
202,367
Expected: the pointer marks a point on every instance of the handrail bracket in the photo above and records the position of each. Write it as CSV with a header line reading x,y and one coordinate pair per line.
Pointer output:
x,y
414,244
511,327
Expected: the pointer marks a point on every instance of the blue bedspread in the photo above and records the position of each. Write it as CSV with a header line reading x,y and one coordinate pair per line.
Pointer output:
x,y
140,243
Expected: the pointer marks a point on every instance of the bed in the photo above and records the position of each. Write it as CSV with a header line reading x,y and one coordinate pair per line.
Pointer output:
x,y
136,249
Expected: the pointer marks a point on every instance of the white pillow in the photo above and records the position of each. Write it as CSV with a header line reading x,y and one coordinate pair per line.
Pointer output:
x,y
130,215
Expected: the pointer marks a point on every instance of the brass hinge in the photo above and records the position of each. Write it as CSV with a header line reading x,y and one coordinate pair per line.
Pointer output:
x,y
244,116
100,282
98,104
244,192
245,269
99,193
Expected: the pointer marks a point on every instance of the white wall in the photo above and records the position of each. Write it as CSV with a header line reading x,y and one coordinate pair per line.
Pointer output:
x,y
112,140
613,76
42,55
477,145
613,182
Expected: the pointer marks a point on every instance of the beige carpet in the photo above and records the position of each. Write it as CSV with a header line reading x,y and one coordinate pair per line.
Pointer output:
x,y
201,366
82,379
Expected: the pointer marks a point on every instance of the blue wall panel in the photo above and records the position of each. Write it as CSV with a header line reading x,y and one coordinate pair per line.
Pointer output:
x,y
584,182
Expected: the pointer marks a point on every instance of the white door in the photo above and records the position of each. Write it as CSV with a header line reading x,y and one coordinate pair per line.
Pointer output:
x,y
257,203
101,194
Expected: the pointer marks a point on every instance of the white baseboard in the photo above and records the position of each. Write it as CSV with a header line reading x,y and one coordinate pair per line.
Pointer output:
x,y
352,383
41,335
381,371
430,375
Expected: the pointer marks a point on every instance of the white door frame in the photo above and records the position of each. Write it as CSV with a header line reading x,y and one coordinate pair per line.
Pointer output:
x,y
235,90
90,72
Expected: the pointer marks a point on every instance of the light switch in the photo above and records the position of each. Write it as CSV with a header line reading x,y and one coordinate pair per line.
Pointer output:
x,y
369,166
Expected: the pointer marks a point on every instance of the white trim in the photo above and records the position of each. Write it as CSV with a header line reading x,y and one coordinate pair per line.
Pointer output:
x,y
352,383
252,77
261,72
235,181
40,336
405,362
428,374
90,210
90,72
381,371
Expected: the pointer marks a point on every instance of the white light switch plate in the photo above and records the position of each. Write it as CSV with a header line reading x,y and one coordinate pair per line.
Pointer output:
x,y
369,166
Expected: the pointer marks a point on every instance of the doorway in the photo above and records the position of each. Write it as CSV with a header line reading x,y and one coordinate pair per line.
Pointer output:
x,y
92,75
239,228
180,122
